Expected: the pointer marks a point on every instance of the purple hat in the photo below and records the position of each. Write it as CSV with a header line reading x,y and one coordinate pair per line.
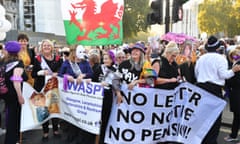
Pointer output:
x,y
139,46
12,47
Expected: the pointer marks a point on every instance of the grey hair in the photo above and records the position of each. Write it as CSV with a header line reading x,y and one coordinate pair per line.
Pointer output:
x,y
141,62
119,53
171,47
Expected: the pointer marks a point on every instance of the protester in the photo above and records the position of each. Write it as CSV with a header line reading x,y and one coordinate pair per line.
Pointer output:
x,y
126,50
105,74
94,61
167,68
26,55
77,68
120,57
14,77
187,61
187,71
201,51
83,62
86,70
133,65
129,73
130,70
233,86
186,67
98,50
211,71
71,70
65,51
2,103
46,64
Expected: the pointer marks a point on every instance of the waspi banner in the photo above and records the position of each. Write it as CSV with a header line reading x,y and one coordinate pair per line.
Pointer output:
x,y
80,104
148,116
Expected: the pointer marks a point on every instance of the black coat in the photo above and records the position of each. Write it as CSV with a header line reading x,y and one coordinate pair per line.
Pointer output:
x,y
234,91
168,71
39,81
11,95
96,68
187,71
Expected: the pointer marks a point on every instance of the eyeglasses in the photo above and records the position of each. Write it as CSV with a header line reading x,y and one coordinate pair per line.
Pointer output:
x,y
121,57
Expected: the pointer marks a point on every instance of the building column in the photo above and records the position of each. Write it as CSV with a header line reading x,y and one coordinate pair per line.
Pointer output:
x,y
20,16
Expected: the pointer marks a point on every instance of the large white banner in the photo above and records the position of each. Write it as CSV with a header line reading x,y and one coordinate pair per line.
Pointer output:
x,y
80,104
148,116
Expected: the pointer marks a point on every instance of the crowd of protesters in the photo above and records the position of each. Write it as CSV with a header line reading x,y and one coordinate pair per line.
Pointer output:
x,y
208,64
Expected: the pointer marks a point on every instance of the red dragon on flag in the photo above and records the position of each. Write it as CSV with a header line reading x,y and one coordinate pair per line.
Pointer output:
x,y
94,23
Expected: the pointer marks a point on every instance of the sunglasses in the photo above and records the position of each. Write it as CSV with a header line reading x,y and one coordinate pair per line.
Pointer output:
x,y
236,57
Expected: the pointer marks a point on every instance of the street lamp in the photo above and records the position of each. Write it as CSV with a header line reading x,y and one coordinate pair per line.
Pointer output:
x,y
167,17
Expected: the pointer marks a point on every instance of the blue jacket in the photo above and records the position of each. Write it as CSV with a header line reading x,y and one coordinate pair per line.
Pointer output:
x,y
84,67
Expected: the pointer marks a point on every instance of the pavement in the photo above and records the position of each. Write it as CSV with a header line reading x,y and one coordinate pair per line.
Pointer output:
x,y
34,136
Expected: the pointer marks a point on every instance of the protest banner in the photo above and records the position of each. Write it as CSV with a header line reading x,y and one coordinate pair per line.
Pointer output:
x,y
149,116
80,104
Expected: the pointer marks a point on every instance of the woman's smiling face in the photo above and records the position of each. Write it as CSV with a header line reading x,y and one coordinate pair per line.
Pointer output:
x,y
47,47
107,60
135,54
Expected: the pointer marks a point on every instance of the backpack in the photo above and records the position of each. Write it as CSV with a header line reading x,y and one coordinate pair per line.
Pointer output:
x,y
4,68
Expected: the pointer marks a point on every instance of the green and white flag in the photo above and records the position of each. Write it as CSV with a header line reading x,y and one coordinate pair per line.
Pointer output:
x,y
93,22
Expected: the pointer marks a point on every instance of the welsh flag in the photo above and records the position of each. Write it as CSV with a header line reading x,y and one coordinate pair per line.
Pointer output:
x,y
93,22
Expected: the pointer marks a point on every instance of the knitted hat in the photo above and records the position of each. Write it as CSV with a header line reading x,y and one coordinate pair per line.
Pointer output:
x,y
12,47
212,44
